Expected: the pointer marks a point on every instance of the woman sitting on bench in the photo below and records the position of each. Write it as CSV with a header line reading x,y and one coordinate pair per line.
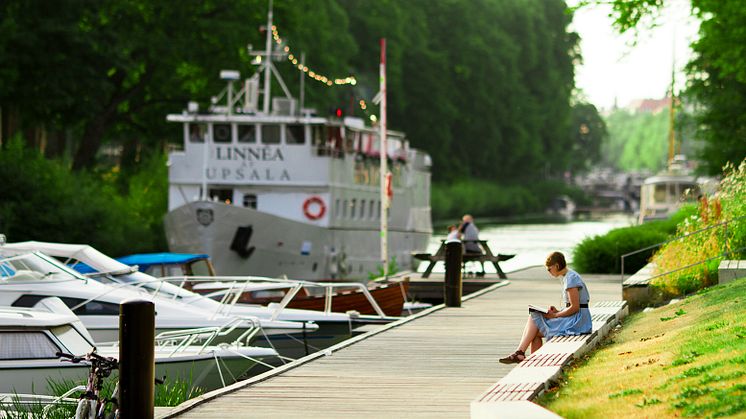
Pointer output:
x,y
575,319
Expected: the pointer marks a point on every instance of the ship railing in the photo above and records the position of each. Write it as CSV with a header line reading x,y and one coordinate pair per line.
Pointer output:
x,y
230,289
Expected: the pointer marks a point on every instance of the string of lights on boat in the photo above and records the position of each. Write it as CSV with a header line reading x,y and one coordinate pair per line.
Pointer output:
x,y
351,80
312,74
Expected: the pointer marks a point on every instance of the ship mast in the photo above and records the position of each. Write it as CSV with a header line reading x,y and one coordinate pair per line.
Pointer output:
x,y
384,168
671,133
671,111
268,63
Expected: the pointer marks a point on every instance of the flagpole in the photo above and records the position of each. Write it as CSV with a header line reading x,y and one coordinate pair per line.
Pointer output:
x,y
384,168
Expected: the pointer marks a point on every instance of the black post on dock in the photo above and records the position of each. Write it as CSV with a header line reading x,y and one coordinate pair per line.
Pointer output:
x,y
452,282
136,359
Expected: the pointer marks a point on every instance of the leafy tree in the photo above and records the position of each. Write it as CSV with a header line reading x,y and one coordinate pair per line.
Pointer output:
x,y
717,73
588,133
43,200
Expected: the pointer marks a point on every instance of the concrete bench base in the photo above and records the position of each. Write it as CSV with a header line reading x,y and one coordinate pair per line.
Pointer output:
x,y
728,270
511,396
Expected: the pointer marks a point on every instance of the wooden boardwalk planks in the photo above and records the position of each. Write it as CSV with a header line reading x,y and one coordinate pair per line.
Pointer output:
x,y
430,366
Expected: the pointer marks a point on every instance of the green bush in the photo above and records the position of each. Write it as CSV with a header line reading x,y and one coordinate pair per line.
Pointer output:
x,y
602,254
43,200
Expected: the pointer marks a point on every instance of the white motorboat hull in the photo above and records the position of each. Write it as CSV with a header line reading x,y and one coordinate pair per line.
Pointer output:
x,y
34,376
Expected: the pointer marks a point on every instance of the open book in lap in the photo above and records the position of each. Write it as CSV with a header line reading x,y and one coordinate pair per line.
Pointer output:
x,y
539,309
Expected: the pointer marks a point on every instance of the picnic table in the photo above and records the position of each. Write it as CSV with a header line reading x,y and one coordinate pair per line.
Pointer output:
x,y
485,256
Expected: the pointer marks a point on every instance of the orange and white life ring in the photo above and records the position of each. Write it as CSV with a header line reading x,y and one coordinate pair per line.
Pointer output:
x,y
314,208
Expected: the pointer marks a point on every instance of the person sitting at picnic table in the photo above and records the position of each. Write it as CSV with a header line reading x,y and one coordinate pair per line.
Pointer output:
x,y
453,233
574,319
470,234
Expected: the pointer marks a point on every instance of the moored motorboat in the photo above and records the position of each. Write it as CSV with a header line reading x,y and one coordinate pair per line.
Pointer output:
x,y
328,328
29,277
30,340
390,297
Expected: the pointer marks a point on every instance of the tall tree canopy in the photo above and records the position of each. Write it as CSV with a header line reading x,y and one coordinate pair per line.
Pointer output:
x,y
716,74
483,85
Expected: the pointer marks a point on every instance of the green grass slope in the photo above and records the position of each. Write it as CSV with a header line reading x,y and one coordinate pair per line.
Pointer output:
x,y
685,359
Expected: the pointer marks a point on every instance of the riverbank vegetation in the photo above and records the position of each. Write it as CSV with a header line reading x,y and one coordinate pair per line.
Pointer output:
x,y
691,262
602,254
41,199
715,232
684,359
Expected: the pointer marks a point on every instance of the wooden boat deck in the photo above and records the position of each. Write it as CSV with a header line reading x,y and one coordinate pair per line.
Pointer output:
x,y
430,365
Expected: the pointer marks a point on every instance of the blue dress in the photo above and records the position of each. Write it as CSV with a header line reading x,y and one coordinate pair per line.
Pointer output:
x,y
579,323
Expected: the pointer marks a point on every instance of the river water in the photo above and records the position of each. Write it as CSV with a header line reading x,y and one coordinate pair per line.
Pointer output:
x,y
531,243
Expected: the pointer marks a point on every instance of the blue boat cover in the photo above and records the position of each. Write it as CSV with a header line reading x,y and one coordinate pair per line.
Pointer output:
x,y
146,260
82,268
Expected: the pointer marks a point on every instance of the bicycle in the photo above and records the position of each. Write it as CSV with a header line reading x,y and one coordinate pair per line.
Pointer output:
x,y
90,404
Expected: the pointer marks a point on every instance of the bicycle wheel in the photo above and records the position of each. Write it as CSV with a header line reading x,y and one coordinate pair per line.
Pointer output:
x,y
86,409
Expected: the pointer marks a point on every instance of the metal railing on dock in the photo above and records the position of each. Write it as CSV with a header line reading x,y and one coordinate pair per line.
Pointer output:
x,y
726,251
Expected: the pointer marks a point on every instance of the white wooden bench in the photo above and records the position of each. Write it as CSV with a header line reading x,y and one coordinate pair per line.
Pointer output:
x,y
511,396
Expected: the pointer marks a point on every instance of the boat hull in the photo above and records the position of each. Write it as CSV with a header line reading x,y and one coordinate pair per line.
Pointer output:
x,y
389,297
34,376
274,246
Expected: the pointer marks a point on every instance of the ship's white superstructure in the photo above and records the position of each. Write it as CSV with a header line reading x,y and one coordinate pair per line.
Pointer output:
x,y
279,191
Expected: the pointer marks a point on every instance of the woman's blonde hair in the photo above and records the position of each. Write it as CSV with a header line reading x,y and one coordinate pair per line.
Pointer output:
x,y
556,258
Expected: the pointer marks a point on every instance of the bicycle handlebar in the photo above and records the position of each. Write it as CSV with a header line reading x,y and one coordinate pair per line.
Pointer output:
x,y
71,357
91,356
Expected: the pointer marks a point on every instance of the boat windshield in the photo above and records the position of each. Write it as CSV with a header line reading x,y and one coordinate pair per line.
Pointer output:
x,y
34,266
150,284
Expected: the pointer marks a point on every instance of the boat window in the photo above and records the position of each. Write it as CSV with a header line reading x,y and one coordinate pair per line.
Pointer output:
x,y
661,191
197,133
378,210
337,209
353,208
221,133
270,134
350,140
295,134
318,136
221,195
27,345
246,134
372,209
200,268
249,201
362,208
344,209
72,339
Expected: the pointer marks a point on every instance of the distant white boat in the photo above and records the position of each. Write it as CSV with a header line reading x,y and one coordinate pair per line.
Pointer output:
x,y
662,195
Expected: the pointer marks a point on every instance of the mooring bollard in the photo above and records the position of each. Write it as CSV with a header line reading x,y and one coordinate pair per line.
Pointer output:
x,y
452,283
136,359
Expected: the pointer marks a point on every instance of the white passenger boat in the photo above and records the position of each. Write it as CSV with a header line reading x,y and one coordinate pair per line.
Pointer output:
x,y
278,190
30,340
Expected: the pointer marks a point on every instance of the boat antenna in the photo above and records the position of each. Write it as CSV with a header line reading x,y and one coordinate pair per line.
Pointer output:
x,y
268,58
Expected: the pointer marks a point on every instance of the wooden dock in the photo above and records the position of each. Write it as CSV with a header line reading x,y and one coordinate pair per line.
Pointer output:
x,y
430,365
